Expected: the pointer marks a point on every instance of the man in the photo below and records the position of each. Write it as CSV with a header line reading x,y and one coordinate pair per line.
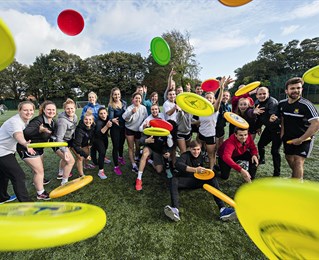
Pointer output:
x,y
239,146
265,106
187,164
299,121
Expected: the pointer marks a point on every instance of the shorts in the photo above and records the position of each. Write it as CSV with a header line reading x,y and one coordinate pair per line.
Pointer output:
x,y
220,131
208,140
158,159
303,150
184,137
70,144
23,152
136,134
195,128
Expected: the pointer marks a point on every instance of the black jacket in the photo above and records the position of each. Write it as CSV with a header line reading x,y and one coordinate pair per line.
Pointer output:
x,y
31,132
271,107
83,137
187,159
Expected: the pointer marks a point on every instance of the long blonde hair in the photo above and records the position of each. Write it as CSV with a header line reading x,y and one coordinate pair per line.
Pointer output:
x,y
111,101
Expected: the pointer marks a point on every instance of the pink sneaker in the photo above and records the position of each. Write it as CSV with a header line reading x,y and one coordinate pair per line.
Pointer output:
x,y
138,184
122,161
117,170
89,166
102,175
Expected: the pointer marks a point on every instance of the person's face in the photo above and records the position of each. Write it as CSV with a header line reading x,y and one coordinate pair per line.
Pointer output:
x,y
26,112
139,90
154,99
103,114
137,100
196,151
262,94
243,105
70,110
226,97
171,96
92,98
210,98
88,120
50,111
179,90
154,111
199,91
242,135
294,91
116,95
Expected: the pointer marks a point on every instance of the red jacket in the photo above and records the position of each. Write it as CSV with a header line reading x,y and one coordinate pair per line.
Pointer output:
x,y
232,148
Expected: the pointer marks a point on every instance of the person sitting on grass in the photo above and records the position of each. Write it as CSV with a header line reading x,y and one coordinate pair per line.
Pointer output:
x,y
238,147
187,164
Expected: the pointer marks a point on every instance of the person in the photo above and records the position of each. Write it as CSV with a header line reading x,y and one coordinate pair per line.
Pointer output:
x,y
179,90
149,102
116,108
100,140
92,105
66,125
265,106
39,129
170,84
184,129
299,121
134,116
240,153
11,133
187,164
82,141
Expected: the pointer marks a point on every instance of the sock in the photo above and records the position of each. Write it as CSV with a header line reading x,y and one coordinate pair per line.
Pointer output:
x,y
139,175
134,165
64,181
60,171
40,192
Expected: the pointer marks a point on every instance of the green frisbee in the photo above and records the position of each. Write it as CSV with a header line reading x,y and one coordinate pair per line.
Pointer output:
x,y
160,51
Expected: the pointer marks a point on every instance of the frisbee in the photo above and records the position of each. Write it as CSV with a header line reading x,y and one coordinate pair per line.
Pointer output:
x,y
7,46
249,87
156,131
194,104
161,124
275,213
35,225
70,186
70,22
47,144
236,120
160,51
307,139
220,195
206,175
210,85
311,76
234,3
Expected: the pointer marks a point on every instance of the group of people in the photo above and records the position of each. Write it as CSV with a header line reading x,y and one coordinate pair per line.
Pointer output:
x,y
295,119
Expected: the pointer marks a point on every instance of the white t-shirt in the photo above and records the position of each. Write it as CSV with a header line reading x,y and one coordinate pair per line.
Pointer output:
x,y
207,125
8,143
168,105
149,118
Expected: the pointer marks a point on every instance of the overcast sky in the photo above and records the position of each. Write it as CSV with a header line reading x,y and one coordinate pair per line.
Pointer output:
x,y
225,38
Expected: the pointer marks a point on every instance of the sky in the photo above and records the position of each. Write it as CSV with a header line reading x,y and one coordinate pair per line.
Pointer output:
x,y
224,38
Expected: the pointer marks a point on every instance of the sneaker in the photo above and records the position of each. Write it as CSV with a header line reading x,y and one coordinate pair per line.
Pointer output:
x,y
135,169
121,161
89,166
262,161
117,170
228,214
138,184
243,164
137,159
46,181
107,160
102,175
43,196
172,213
60,176
12,198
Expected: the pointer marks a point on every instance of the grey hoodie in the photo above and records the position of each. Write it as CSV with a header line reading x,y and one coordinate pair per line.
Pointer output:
x,y
65,127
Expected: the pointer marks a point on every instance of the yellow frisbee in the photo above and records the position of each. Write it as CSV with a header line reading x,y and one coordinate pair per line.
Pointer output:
x,y
47,144
307,139
156,131
35,225
234,3
236,120
245,89
194,104
311,76
220,195
7,46
206,175
70,186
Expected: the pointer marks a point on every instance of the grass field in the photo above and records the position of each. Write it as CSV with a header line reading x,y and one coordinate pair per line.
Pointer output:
x,y
136,225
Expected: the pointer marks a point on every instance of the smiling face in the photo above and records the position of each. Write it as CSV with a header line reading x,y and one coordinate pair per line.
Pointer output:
x,y
88,120
26,112
154,110
294,91
103,114
70,109
210,97
137,100
226,97
50,111
154,98
92,98
243,104
195,151
241,135
116,95
262,94
171,95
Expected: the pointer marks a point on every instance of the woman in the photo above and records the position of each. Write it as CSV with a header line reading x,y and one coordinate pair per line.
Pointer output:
x,y
92,105
184,128
11,133
39,130
134,116
116,108
66,125
100,141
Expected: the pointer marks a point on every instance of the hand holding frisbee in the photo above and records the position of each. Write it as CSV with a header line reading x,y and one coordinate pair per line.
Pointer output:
x,y
245,89
311,76
207,174
160,51
47,144
7,47
307,139
70,22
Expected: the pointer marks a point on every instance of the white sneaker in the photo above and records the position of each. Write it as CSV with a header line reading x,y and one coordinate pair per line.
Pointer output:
x,y
172,213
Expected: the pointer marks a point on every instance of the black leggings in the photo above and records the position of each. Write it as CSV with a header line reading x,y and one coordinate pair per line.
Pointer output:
x,y
11,170
118,139
100,146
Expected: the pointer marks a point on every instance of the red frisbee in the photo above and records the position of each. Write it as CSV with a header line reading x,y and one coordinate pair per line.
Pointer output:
x,y
162,124
70,22
210,85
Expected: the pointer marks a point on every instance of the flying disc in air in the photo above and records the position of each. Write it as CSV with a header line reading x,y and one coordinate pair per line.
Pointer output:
x,y
160,51
194,104
7,46
249,87
236,120
307,139
219,194
234,3
280,216
162,124
210,85
70,186
47,144
70,22
311,76
206,175
35,225
156,131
